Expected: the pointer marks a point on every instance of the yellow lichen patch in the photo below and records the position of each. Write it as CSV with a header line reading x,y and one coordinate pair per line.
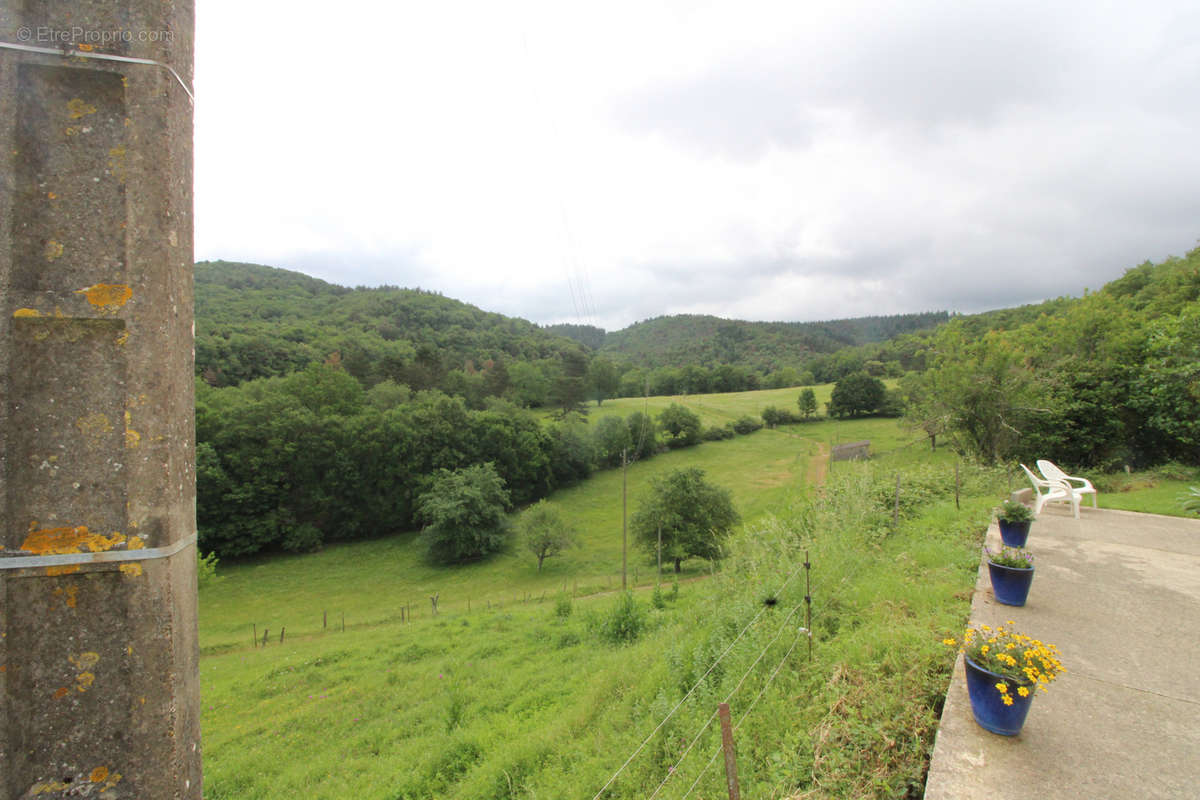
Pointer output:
x,y
84,681
48,787
98,775
94,425
132,570
68,539
122,338
107,296
68,593
116,162
52,249
132,437
61,692
76,108
85,660
51,196
68,569
135,542
27,312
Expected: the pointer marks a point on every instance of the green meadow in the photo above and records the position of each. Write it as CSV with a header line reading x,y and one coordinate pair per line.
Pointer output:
x,y
514,689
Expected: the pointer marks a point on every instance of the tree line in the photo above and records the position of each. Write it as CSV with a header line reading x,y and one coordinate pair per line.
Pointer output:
x,y
1103,381
290,463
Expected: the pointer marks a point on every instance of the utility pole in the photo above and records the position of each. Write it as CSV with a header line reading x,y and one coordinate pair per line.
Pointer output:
x,y
624,506
659,554
98,649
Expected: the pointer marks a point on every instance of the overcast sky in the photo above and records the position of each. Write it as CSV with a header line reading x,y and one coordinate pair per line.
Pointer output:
x,y
608,162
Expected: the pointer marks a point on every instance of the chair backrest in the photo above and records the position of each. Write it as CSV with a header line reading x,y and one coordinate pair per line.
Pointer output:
x,y
1038,483
1051,470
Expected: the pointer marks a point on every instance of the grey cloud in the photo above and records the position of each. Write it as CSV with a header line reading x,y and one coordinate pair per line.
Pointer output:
x,y
922,68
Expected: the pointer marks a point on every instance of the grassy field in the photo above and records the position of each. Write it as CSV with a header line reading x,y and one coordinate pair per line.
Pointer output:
x,y
520,694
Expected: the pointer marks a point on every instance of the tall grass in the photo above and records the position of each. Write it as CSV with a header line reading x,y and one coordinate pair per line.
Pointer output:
x,y
521,700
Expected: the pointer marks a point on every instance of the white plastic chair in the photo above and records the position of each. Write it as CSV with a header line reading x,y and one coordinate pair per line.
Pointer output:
x,y
1049,491
1052,472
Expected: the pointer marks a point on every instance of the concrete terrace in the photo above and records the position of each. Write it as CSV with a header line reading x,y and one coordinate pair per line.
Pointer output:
x,y
1119,594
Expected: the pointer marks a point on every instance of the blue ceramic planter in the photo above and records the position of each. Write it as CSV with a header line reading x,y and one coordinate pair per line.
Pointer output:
x,y
1010,585
1014,534
987,703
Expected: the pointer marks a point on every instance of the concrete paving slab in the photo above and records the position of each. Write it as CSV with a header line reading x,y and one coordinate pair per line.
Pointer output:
x,y
1119,594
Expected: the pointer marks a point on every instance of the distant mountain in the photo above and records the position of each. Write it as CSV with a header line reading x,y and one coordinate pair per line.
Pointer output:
x,y
764,346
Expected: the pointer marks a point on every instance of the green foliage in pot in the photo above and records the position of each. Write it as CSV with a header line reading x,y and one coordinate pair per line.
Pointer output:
x,y
1012,511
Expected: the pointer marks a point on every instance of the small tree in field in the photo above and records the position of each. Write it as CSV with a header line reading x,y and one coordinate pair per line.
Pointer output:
x,y
694,516
544,532
681,424
463,514
807,403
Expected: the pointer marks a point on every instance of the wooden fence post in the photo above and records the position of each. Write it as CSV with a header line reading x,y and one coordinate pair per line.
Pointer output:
x,y
957,485
896,505
731,780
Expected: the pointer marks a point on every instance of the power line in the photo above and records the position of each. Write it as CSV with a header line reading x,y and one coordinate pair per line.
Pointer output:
x,y
696,685
746,674
753,702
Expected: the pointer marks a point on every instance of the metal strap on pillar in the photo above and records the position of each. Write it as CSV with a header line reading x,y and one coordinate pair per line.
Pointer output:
x,y
69,53
73,559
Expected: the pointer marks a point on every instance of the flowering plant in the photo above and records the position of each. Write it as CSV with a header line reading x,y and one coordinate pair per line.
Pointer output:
x,y
1017,557
1021,661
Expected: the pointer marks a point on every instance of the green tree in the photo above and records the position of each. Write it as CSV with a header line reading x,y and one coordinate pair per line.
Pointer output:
x,y
611,440
681,424
603,379
773,417
694,516
979,390
544,532
856,394
807,403
463,512
643,436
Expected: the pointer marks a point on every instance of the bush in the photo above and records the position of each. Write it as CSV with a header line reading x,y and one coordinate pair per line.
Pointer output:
x,y
623,623
746,425
718,434
206,569
563,606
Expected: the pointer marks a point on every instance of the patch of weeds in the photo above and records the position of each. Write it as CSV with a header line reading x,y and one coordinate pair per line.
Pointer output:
x,y
622,623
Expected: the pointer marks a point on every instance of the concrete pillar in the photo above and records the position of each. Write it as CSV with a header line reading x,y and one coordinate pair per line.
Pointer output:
x,y
99,688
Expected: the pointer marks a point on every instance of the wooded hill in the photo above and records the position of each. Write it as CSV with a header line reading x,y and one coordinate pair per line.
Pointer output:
x,y
254,321
683,339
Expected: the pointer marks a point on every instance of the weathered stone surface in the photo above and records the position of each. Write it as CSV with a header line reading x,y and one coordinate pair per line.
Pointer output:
x,y
99,691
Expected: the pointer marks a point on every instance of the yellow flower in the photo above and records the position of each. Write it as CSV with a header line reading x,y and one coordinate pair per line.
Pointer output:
x,y
1002,687
983,651
1008,701
949,642
1021,690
